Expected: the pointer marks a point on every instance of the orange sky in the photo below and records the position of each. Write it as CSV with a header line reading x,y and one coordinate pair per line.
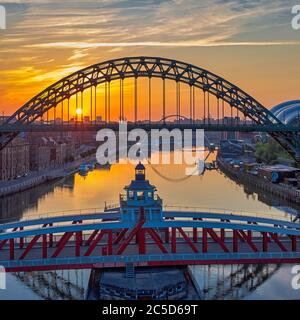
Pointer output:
x,y
252,46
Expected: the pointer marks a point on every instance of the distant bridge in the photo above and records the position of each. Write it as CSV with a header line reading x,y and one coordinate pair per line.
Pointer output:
x,y
180,238
81,127
209,96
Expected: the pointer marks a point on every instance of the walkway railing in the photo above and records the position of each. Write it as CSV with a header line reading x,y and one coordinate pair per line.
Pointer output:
x,y
61,213
86,211
226,211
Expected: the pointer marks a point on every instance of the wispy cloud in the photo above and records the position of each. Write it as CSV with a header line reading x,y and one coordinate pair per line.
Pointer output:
x,y
87,45
150,22
54,37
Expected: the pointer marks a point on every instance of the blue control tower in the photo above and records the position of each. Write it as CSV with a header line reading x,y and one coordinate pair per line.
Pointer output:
x,y
140,193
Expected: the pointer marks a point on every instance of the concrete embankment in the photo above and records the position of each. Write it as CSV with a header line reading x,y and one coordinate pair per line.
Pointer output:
x,y
284,192
36,178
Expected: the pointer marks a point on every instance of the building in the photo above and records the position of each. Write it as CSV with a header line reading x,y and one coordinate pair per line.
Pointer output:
x,y
14,159
288,112
3,119
278,173
39,154
231,148
48,153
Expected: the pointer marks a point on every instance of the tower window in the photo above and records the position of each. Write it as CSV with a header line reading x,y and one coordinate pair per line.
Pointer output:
x,y
130,194
140,195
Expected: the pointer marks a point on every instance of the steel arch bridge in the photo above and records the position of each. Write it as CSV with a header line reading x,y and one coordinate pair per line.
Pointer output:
x,y
228,96
102,239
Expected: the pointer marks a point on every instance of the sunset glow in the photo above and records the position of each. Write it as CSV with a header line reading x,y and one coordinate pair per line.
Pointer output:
x,y
79,112
46,41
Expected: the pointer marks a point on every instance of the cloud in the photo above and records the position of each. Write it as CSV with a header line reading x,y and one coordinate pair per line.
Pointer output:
x,y
87,45
53,36
157,22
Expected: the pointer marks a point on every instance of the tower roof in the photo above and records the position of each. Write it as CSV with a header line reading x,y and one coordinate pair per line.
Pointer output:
x,y
140,166
140,185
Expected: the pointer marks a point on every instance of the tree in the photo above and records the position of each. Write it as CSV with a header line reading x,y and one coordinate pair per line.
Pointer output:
x,y
270,152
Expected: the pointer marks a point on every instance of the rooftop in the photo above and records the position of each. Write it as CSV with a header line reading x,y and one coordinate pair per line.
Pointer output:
x,y
279,168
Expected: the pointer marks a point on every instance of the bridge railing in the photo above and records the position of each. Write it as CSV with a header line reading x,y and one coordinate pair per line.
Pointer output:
x,y
63,213
87,211
279,216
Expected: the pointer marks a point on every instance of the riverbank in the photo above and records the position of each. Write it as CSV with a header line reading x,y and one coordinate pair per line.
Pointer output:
x,y
283,192
37,178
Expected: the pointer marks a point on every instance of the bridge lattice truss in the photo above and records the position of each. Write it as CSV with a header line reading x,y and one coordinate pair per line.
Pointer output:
x,y
181,238
227,94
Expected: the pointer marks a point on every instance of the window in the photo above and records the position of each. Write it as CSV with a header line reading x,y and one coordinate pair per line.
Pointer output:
x,y
140,172
140,195
130,195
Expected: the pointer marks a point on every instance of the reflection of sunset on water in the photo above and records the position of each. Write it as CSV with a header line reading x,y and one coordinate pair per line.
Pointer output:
x,y
103,185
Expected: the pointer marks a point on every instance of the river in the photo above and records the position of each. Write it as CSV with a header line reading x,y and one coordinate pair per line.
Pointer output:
x,y
211,190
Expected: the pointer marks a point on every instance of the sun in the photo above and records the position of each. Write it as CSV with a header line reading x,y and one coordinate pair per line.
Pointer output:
x,y
79,111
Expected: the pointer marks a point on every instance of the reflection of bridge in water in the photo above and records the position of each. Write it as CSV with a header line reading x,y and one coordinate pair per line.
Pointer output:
x,y
215,282
234,282
55,285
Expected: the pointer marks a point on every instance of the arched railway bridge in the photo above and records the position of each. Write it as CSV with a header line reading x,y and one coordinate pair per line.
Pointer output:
x,y
83,101
179,238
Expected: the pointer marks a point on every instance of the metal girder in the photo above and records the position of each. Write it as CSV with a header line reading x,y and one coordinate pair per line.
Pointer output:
x,y
149,67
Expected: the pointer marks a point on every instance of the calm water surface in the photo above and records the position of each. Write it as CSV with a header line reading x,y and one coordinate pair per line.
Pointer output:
x,y
212,190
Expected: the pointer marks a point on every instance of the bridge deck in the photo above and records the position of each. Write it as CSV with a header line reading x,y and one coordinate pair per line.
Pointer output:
x,y
6,128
